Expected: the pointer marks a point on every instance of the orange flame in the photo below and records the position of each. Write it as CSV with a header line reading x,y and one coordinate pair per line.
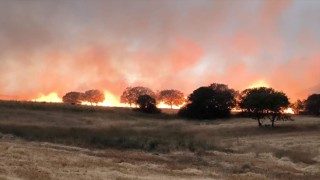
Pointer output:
x,y
110,101
162,105
51,98
288,111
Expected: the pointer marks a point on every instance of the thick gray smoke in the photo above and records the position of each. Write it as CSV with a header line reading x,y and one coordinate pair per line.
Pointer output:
x,y
58,46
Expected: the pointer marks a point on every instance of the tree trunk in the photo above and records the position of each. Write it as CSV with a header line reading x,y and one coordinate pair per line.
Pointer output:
x,y
259,123
272,121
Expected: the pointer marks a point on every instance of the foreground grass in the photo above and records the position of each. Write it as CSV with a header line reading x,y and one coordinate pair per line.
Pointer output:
x,y
234,148
100,127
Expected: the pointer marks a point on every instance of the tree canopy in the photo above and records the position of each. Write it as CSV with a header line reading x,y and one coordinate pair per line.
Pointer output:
x,y
214,101
73,97
171,97
147,104
94,96
312,104
298,106
131,94
263,103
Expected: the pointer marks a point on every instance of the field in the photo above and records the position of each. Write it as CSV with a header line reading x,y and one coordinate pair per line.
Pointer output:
x,y
56,141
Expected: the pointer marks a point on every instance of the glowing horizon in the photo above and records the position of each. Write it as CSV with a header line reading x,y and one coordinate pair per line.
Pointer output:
x,y
110,101
260,83
50,98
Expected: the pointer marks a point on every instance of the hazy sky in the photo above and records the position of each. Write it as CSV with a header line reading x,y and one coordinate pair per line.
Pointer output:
x,y
63,45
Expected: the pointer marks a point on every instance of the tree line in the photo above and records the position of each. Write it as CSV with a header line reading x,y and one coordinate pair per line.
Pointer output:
x,y
170,97
311,105
129,96
91,96
146,99
210,102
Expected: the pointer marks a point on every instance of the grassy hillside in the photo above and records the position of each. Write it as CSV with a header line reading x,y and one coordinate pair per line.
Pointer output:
x,y
234,148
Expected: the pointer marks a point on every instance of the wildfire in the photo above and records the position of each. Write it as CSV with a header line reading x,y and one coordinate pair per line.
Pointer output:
x,y
51,98
260,83
110,101
288,111
165,106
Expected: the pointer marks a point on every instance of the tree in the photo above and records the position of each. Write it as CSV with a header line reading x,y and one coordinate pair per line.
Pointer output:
x,y
130,94
171,97
94,96
313,104
147,104
261,103
73,98
298,106
214,101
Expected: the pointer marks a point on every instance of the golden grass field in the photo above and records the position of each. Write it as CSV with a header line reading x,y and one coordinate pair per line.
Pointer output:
x,y
56,141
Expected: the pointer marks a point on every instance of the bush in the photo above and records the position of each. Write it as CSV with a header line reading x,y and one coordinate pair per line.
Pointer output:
x,y
313,104
214,101
147,104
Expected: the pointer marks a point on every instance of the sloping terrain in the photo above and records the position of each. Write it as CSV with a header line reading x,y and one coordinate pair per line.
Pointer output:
x,y
45,141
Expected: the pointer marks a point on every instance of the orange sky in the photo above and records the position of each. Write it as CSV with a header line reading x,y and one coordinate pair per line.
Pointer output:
x,y
60,46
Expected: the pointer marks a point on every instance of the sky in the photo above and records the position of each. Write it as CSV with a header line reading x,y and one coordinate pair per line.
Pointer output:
x,y
74,45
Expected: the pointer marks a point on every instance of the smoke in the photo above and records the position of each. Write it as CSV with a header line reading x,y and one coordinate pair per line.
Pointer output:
x,y
60,46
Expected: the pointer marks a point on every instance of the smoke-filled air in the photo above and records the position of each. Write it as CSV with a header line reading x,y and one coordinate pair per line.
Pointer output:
x,y
49,48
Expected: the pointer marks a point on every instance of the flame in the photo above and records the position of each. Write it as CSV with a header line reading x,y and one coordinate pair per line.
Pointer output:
x,y
236,110
110,101
52,97
257,84
288,111
162,105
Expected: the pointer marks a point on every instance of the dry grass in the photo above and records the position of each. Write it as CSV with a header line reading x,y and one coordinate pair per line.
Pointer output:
x,y
54,141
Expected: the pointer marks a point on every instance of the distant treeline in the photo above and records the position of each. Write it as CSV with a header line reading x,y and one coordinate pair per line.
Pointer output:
x,y
210,102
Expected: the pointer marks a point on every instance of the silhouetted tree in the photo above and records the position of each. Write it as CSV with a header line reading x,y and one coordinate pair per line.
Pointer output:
x,y
147,104
312,104
214,101
130,94
237,97
298,106
73,97
171,97
94,96
263,103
